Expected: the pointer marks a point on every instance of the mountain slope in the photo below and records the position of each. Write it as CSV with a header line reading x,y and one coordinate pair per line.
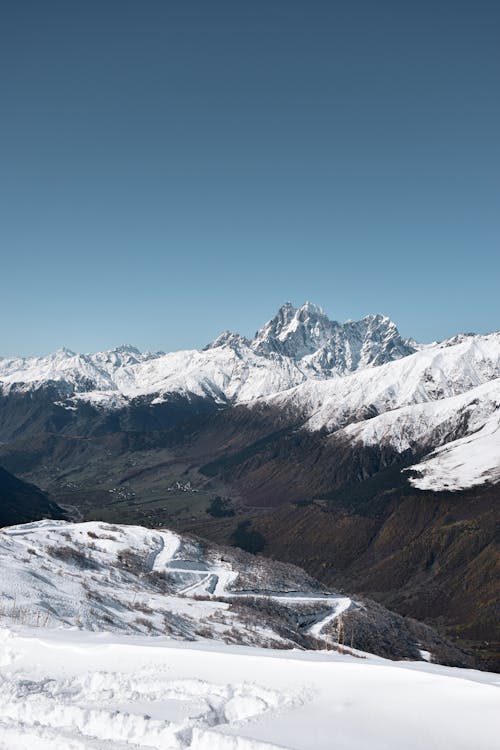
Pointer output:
x,y
20,502
432,555
438,394
98,576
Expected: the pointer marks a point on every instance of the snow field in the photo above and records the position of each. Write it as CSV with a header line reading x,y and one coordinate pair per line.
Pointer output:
x,y
63,690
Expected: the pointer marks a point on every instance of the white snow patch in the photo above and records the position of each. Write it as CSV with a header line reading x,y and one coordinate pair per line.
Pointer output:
x,y
466,462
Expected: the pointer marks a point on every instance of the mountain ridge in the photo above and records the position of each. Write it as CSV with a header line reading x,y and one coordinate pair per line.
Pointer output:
x,y
322,375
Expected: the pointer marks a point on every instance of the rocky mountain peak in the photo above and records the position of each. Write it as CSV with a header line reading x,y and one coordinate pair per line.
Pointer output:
x,y
64,353
308,336
227,338
321,346
294,332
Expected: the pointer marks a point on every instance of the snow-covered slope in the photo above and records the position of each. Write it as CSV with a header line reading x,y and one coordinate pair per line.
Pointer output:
x,y
443,395
434,373
131,579
299,349
465,462
64,690
85,372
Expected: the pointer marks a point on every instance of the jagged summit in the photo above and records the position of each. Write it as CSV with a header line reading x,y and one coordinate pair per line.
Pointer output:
x,y
318,345
294,332
126,349
323,346
298,363
227,338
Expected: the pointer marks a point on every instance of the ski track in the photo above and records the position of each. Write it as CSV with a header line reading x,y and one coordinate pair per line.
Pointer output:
x,y
70,689
170,544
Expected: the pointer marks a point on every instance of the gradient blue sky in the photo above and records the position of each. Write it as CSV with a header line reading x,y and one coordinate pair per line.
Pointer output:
x,y
170,169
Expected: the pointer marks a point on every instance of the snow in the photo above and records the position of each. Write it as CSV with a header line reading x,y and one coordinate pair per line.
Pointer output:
x,y
431,374
342,605
170,544
131,579
466,462
458,464
419,402
70,690
240,371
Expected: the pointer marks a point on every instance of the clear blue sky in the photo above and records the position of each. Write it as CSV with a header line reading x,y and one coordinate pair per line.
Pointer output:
x,y
172,168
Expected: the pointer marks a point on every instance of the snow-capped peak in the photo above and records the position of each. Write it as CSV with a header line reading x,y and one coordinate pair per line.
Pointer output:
x,y
326,347
298,362
126,349
294,332
228,338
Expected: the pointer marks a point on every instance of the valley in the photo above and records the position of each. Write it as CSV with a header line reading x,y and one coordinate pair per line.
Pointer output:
x,y
369,461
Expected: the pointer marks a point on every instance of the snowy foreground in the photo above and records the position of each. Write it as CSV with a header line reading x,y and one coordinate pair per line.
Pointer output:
x,y
121,637
69,690
64,686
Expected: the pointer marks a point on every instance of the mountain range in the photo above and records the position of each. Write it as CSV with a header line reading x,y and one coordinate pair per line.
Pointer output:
x,y
361,378
371,460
